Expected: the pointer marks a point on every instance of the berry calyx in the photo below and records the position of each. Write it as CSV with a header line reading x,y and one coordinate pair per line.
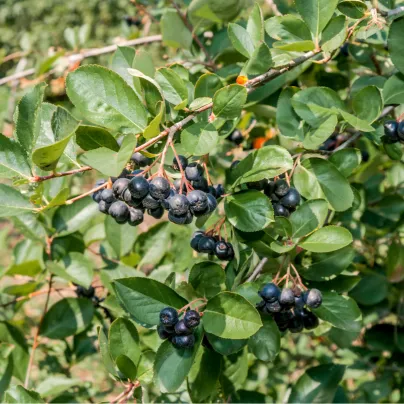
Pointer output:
x,y
192,319
198,201
168,316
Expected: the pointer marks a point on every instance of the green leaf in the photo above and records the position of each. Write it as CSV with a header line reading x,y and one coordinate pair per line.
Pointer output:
x,y
316,13
70,218
249,211
122,60
121,237
316,137
368,103
332,183
340,311
207,85
26,115
13,161
266,343
371,290
144,298
241,39
334,34
12,202
174,31
302,46
7,374
288,29
317,384
104,98
67,317
229,101
59,199
74,267
153,129
352,8
172,365
63,127
204,375
123,339
94,137
198,103
356,122
126,367
105,354
234,372
260,61
172,86
267,162
393,90
255,25
315,104
54,385
308,217
327,239
346,160
20,395
207,278
289,123
199,138
229,315
97,158
226,346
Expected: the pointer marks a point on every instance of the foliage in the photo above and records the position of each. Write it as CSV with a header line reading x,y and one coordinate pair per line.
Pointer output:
x,y
296,111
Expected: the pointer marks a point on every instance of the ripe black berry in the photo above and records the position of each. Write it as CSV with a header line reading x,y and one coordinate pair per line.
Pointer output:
x,y
206,244
391,132
236,137
270,292
291,199
168,316
177,185
183,162
400,130
156,213
103,207
280,210
313,298
135,216
212,203
269,188
183,341
195,240
258,185
108,196
287,298
221,250
299,301
274,307
163,333
150,203
198,201
310,320
219,190
281,188
192,319
296,324
119,211
183,219
159,188
181,328
140,160
120,186
179,204
201,183
230,254
193,171
138,187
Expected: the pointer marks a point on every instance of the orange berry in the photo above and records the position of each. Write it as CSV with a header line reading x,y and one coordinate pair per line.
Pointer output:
x,y
242,80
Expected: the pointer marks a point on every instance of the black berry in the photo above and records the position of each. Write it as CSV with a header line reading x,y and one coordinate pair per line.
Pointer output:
x,y
168,316
89,292
183,163
179,204
280,210
163,333
400,130
120,186
183,341
274,307
281,188
313,298
107,196
291,199
192,319
391,132
183,219
195,240
181,328
212,203
198,201
258,185
119,211
150,203
140,160
206,244
138,187
236,137
310,320
287,298
103,207
159,188
156,213
296,324
135,216
193,171
270,292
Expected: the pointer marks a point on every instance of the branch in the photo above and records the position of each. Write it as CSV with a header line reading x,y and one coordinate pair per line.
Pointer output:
x,y
274,7
392,13
257,270
86,54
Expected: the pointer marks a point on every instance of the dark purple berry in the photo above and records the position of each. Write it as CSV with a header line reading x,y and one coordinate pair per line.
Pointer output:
x,y
168,316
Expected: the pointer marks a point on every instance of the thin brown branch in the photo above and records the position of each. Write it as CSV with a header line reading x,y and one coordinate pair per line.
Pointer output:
x,y
258,269
70,201
273,7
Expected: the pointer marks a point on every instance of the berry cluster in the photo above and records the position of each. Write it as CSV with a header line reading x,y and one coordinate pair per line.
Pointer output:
x,y
132,194
393,132
283,197
205,243
287,307
236,137
179,332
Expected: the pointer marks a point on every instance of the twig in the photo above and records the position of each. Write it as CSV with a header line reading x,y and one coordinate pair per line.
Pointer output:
x,y
392,13
30,296
70,201
77,57
35,343
194,36
257,269
273,7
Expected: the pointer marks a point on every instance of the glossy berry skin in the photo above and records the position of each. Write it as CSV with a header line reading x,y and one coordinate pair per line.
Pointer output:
x,y
283,317
391,132
221,250
198,200
156,213
177,185
179,204
310,320
103,207
183,341
281,188
107,196
291,199
206,245
163,333
201,184
212,203
195,240
150,203
313,298
96,196
192,319
138,187
159,188
287,298
400,130
135,217
183,219
119,211
181,328
120,186
258,185
140,160
183,162
296,324
269,188
220,191
168,316
270,292
236,137
193,171
274,307
299,302
280,210
230,255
